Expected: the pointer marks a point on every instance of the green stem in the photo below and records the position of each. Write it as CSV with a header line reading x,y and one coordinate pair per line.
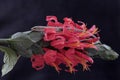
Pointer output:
x,y
4,41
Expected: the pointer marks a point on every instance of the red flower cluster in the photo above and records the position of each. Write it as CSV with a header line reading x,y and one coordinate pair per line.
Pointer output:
x,y
68,42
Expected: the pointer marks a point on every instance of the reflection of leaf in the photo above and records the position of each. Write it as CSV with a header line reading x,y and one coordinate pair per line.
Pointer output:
x,y
10,59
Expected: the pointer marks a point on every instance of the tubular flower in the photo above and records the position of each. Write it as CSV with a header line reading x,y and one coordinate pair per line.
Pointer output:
x,y
67,44
49,34
37,62
52,21
58,42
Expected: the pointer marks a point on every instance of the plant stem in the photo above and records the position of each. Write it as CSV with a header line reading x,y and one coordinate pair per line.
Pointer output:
x,y
4,42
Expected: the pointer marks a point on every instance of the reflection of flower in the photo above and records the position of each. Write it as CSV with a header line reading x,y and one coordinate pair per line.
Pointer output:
x,y
67,45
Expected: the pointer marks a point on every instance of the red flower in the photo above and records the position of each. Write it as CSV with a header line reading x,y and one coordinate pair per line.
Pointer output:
x,y
59,42
49,34
93,29
82,25
50,56
54,59
67,45
52,21
37,62
68,22
70,54
50,18
76,57
82,55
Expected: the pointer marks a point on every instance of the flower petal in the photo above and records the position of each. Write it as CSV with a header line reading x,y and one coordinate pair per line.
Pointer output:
x,y
50,56
37,62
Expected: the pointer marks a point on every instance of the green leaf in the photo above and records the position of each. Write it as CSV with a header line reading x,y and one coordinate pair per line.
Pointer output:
x,y
104,52
107,53
21,39
31,35
34,36
10,59
22,42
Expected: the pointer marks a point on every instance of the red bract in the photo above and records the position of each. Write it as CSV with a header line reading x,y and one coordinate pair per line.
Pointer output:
x,y
67,44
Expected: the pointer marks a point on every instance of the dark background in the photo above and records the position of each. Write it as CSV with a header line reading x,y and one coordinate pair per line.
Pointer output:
x,y
21,15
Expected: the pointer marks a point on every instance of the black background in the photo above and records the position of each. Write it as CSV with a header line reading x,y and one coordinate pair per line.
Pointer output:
x,y
21,15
